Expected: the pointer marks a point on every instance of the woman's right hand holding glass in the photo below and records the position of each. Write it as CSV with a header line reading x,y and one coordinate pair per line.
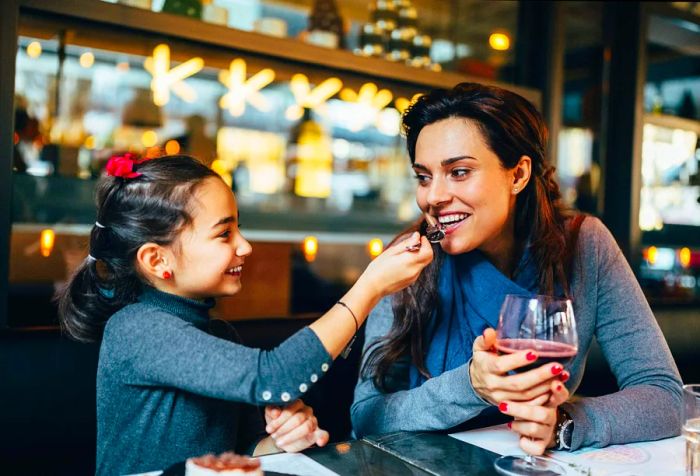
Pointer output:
x,y
489,374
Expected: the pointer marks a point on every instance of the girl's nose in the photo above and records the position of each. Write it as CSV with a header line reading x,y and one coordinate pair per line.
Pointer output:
x,y
243,248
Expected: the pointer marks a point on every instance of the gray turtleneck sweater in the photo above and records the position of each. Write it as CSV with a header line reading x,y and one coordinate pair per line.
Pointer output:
x,y
167,389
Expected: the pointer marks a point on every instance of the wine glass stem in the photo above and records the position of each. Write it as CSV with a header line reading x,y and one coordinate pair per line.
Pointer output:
x,y
530,460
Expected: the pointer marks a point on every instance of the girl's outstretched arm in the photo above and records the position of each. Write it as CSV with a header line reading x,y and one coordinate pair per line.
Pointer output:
x,y
390,272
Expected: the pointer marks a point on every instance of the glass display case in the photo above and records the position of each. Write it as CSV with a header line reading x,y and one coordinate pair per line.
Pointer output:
x,y
307,137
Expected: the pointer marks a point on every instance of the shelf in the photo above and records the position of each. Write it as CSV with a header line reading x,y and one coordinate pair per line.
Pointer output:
x,y
672,122
289,50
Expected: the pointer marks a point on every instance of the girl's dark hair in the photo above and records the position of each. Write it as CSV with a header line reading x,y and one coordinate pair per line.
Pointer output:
x,y
512,128
150,208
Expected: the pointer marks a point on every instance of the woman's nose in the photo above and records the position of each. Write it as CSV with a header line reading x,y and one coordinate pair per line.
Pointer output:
x,y
438,194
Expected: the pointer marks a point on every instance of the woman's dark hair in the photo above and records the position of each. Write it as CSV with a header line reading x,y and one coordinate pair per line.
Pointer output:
x,y
512,128
150,208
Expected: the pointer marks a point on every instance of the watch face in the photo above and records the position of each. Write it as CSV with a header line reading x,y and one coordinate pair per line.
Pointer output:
x,y
566,431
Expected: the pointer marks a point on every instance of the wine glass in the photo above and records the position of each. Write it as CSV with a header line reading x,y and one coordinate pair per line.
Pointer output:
x,y
546,325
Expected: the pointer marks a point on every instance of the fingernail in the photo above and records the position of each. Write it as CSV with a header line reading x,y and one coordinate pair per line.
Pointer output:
x,y
559,387
503,406
530,356
557,369
510,425
565,376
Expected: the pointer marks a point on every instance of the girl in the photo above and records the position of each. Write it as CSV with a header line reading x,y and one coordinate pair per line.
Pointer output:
x,y
478,155
165,243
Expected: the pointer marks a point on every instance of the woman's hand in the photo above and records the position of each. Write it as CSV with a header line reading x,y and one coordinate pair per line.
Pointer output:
x,y
294,428
536,423
490,379
398,267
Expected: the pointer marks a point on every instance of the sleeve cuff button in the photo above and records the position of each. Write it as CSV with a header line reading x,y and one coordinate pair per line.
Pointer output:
x,y
285,397
266,395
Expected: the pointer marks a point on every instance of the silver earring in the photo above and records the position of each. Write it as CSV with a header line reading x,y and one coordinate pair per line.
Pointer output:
x,y
515,190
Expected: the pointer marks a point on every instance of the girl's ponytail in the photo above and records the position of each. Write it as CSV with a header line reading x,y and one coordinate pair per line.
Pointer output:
x,y
83,306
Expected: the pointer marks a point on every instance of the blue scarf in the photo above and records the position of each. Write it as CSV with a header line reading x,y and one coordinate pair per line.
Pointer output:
x,y
471,291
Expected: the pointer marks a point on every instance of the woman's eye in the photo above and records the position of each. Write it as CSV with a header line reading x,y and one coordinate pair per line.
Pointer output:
x,y
421,178
460,172
225,234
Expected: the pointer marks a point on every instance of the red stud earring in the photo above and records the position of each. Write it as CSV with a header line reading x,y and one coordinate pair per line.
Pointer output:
x,y
166,275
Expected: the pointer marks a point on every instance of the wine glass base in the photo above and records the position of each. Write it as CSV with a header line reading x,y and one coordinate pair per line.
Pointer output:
x,y
533,466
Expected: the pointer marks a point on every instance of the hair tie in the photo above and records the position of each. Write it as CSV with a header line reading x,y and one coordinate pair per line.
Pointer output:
x,y
123,166
91,258
99,225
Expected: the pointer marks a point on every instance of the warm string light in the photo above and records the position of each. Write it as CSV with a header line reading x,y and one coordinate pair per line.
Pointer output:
x,y
684,257
310,247
375,247
46,242
306,97
371,100
499,41
242,90
34,49
87,59
166,79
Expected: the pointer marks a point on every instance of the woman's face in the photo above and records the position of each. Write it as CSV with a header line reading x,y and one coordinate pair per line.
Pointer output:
x,y
462,182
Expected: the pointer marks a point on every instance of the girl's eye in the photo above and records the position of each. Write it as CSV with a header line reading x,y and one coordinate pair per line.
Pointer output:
x,y
225,234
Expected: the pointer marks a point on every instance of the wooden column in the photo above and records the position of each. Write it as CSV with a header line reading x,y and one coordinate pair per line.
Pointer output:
x,y
9,17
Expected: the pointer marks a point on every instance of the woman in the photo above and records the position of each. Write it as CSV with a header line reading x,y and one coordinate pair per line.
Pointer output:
x,y
478,153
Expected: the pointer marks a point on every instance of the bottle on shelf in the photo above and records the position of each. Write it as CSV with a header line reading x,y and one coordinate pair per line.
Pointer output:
x,y
326,25
188,8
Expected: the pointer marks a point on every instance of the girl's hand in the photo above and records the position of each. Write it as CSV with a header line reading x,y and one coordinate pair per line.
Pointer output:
x,y
536,423
489,378
398,267
294,428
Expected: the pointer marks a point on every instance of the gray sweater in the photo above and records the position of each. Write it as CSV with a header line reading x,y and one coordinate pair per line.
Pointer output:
x,y
608,304
168,390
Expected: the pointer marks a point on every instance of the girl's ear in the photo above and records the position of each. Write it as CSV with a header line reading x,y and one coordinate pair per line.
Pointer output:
x,y
521,174
153,260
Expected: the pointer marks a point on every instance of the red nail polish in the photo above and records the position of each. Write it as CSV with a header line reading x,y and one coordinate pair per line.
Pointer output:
x,y
530,356
559,387
503,406
557,369
565,376
510,425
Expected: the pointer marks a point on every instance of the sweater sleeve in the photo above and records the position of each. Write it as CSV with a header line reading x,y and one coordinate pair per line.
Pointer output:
x,y
174,353
441,402
648,403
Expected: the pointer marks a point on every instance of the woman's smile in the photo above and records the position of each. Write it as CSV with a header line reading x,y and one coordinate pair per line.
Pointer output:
x,y
452,220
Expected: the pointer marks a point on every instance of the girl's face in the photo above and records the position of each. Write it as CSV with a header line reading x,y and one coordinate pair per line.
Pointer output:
x,y
209,254
461,182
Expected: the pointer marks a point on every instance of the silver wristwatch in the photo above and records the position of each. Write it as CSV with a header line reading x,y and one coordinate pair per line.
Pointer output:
x,y
565,428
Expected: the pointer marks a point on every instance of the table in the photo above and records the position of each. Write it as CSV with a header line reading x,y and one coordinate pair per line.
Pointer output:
x,y
470,453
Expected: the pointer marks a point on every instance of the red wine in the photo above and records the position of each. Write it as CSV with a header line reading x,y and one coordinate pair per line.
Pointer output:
x,y
547,351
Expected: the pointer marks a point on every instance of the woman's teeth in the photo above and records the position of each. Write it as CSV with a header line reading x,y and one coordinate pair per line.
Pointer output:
x,y
234,270
452,218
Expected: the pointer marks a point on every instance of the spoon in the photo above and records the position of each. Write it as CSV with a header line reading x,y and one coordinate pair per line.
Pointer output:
x,y
434,232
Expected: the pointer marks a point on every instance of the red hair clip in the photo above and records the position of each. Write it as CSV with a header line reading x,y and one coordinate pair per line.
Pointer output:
x,y
123,166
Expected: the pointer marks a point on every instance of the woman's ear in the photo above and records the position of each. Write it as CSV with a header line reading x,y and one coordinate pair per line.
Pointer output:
x,y
153,261
521,174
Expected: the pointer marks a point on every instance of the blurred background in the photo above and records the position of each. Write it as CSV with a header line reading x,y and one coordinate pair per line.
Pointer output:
x,y
297,104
